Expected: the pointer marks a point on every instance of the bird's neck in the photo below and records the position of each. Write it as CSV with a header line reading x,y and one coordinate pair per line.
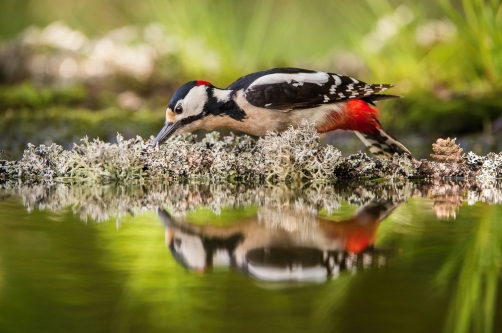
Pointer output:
x,y
220,95
222,103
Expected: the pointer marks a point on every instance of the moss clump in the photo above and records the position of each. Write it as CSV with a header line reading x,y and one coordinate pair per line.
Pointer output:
x,y
290,155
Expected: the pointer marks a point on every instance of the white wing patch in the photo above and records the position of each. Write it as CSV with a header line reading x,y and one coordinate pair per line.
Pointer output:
x,y
326,99
318,77
338,81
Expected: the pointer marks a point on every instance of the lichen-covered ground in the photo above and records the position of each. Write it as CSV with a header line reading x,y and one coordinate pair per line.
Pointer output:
x,y
292,155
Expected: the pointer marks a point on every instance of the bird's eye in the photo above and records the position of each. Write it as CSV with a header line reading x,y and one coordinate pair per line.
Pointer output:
x,y
178,109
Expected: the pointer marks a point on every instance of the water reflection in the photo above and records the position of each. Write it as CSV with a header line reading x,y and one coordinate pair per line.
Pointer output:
x,y
281,244
440,243
291,236
100,203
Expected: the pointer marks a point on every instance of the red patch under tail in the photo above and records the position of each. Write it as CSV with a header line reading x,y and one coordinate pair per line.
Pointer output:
x,y
359,239
361,117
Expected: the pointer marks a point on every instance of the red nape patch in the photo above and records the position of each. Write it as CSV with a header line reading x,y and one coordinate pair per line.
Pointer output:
x,y
361,117
203,83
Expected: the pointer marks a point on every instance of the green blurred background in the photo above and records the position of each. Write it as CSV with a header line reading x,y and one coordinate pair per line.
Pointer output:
x,y
88,67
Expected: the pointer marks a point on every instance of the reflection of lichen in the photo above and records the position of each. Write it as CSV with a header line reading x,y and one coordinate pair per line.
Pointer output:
x,y
290,155
450,195
100,203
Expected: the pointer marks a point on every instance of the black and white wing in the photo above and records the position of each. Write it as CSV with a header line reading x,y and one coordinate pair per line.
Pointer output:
x,y
294,88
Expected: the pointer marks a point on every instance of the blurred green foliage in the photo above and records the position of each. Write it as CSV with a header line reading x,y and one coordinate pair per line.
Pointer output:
x,y
423,43
444,57
63,125
475,295
28,96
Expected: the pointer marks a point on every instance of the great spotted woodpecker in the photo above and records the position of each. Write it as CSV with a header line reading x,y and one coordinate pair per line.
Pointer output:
x,y
275,99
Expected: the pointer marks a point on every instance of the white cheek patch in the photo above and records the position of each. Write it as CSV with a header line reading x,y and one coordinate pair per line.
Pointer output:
x,y
319,78
193,103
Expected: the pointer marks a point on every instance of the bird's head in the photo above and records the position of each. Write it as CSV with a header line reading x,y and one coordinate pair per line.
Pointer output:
x,y
188,104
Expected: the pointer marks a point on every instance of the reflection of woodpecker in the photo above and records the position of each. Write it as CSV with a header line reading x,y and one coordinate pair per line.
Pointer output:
x,y
281,253
276,99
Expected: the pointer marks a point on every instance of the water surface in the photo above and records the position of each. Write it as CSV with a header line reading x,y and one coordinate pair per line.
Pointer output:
x,y
346,257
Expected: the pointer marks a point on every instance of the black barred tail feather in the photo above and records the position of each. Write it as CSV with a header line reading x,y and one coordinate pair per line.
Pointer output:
x,y
369,130
381,144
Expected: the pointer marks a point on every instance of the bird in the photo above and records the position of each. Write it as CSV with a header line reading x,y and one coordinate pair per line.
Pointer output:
x,y
302,246
273,100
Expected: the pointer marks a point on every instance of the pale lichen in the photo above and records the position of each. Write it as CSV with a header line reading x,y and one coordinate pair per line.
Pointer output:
x,y
491,168
297,153
292,155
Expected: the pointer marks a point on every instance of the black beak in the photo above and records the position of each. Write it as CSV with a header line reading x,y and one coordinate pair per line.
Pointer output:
x,y
166,132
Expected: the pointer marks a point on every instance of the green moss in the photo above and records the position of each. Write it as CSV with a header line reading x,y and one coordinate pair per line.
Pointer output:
x,y
379,180
26,95
68,125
